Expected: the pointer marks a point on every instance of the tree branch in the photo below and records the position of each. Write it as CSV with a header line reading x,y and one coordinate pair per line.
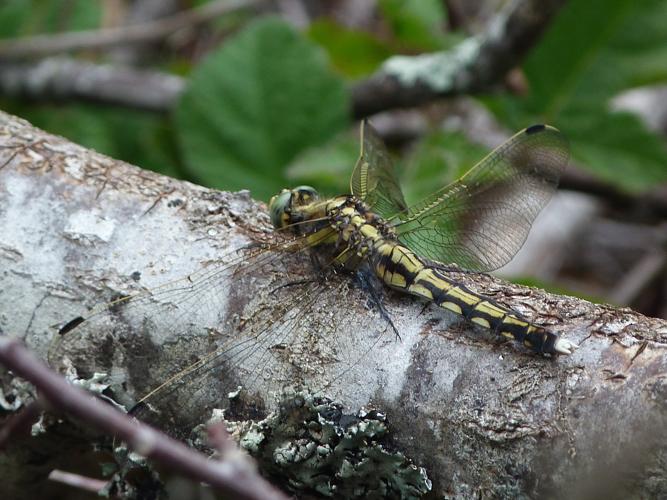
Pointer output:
x,y
226,476
49,45
77,481
482,417
63,78
473,66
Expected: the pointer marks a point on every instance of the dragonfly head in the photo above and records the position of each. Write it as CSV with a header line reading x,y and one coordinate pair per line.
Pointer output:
x,y
282,204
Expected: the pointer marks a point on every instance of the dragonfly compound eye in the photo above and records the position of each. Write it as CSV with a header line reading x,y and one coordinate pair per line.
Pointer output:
x,y
281,205
304,195
279,208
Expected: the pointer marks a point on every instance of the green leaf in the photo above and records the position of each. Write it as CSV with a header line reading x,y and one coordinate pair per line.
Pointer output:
x,y
576,67
353,53
618,148
32,17
416,25
567,64
639,47
436,160
13,15
253,105
576,70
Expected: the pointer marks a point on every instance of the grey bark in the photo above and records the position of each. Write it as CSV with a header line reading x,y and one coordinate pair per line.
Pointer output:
x,y
483,417
63,78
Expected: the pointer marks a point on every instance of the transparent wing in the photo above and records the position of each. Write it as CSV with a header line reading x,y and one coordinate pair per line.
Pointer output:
x,y
261,320
374,179
481,220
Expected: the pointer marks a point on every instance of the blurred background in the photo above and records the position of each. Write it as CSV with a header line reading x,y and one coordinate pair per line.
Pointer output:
x,y
261,95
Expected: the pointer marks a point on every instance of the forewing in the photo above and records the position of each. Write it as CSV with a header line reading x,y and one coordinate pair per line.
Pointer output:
x,y
264,319
480,221
374,179
296,336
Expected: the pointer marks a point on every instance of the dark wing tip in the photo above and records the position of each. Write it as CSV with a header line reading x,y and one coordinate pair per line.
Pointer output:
x,y
534,129
138,409
71,325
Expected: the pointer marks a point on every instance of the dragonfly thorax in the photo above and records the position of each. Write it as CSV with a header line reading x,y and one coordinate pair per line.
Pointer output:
x,y
357,231
345,224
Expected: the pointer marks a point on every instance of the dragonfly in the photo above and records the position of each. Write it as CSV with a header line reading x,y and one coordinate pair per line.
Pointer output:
x,y
270,314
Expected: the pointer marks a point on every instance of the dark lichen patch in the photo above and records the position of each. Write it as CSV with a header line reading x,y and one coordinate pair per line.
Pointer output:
x,y
311,446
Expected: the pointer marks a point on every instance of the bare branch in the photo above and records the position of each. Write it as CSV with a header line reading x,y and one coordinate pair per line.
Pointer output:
x,y
77,481
473,66
62,78
649,269
226,477
48,45
137,12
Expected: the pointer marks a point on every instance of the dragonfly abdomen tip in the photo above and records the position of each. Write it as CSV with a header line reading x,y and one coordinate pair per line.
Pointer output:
x,y
533,129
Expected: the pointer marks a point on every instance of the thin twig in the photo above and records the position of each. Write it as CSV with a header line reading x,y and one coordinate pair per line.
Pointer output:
x,y
219,438
48,45
228,477
77,480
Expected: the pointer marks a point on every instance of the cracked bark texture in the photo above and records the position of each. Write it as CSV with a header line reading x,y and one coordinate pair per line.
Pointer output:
x,y
484,417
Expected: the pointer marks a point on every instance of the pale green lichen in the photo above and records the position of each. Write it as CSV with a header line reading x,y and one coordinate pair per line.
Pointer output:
x,y
97,383
38,427
438,71
12,403
310,442
252,439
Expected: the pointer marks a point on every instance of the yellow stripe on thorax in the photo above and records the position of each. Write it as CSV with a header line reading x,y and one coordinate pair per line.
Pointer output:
x,y
370,232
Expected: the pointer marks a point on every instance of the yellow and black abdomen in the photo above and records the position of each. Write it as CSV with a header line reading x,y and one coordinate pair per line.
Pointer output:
x,y
400,268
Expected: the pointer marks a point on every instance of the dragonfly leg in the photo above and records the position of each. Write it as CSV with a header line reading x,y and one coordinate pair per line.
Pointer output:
x,y
367,284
